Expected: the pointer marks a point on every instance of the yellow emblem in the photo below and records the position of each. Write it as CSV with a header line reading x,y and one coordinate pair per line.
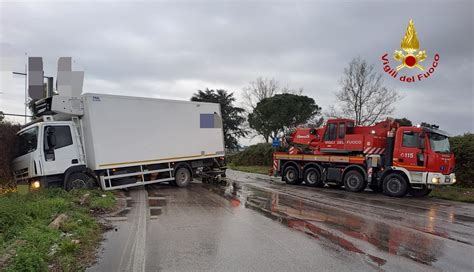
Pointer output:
x,y
410,45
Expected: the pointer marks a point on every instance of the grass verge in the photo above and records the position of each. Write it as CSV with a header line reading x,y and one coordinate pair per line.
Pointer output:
x,y
27,243
257,169
454,193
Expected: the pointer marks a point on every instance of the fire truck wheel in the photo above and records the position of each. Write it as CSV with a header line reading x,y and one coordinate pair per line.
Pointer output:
x,y
182,177
80,181
394,185
419,192
291,175
313,178
354,181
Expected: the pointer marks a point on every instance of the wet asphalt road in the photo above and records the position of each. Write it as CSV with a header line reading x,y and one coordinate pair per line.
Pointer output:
x,y
256,223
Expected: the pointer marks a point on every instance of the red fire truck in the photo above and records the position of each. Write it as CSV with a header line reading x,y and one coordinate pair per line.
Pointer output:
x,y
384,157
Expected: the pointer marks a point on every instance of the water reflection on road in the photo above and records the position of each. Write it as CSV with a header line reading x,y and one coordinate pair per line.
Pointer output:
x,y
257,224
429,240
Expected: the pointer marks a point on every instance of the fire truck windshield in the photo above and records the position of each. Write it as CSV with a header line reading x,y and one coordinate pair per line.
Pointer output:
x,y
439,143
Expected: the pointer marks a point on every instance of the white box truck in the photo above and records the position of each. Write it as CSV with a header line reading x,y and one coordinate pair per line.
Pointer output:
x,y
119,141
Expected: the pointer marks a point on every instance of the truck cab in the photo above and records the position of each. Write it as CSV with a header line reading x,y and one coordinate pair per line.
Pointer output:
x,y
337,136
45,152
424,155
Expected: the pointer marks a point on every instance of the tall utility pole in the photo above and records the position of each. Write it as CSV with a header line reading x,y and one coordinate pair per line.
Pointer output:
x,y
26,88
26,84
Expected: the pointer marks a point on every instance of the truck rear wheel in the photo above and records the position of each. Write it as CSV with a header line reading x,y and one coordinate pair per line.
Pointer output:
x,y
417,192
79,180
313,178
182,177
394,185
291,175
354,181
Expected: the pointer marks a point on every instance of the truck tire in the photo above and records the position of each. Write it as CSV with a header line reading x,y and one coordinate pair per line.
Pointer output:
x,y
291,175
354,181
312,177
182,177
394,185
419,192
79,180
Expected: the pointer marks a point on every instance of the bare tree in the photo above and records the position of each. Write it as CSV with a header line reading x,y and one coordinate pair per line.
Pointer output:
x,y
363,96
264,88
258,90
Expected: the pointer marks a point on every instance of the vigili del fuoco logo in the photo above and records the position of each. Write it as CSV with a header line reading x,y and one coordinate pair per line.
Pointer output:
x,y
410,57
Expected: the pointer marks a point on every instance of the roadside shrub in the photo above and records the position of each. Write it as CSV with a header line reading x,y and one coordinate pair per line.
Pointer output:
x,y
7,145
29,259
259,154
68,246
12,218
463,148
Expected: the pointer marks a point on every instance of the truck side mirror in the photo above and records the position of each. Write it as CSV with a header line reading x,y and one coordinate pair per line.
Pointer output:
x,y
50,137
421,142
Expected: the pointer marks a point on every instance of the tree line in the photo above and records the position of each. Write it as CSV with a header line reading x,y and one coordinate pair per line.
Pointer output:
x,y
270,110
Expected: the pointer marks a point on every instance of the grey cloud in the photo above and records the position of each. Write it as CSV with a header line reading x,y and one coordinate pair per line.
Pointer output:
x,y
170,49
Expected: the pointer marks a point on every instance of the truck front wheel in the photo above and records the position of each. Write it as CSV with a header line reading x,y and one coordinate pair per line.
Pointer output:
x,y
79,180
182,177
416,192
354,181
291,175
394,185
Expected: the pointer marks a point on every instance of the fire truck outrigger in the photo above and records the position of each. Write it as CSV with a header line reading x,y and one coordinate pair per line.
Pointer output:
x,y
385,157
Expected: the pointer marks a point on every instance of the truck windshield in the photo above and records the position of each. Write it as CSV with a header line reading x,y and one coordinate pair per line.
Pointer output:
x,y
439,143
27,141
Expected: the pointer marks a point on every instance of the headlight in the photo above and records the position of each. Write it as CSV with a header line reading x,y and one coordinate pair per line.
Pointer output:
x,y
435,180
35,184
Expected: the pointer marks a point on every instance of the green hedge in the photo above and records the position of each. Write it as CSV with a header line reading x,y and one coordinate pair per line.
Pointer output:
x,y
259,154
7,145
463,148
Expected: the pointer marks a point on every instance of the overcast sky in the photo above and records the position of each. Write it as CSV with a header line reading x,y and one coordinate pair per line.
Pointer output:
x,y
171,49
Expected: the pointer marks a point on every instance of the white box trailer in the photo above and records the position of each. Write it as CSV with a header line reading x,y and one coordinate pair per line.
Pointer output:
x,y
120,141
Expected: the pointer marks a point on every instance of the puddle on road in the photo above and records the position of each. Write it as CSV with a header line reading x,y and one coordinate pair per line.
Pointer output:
x,y
156,212
336,225
156,190
463,218
157,202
